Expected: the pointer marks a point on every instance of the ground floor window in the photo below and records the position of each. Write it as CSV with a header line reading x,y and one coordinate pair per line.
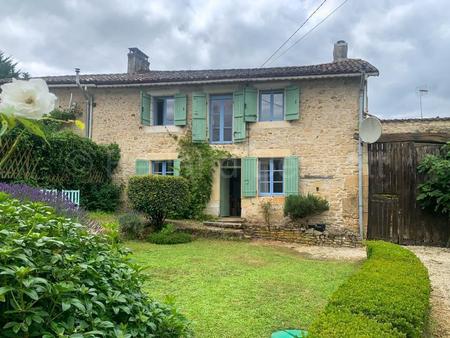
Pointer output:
x,y
271,174
162,168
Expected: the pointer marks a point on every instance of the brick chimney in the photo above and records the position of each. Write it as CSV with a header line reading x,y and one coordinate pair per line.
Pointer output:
x,y
137,61
340,51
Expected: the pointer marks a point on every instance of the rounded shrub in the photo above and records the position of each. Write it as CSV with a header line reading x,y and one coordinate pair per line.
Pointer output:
x,y
169,235
58,280
301,206
159,197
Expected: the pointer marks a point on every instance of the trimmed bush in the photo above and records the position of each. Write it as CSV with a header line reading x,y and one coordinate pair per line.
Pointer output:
x,y
391,289
301,206
131,225
159,197
169,235
58,280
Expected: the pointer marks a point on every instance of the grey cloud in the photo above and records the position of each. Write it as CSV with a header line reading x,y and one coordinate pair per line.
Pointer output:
x,y
406,39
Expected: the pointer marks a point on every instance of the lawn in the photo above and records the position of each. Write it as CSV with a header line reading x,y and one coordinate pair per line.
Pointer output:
x,y
239,289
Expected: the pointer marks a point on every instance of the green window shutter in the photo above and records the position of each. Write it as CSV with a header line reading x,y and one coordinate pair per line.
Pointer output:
x,y
180,110
142,167
239,131
291,175
249,171
250,99
199,121
292,103
176,167
146,111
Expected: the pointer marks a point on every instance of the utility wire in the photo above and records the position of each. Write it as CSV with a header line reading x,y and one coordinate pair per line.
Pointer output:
x,y
308,32
285,42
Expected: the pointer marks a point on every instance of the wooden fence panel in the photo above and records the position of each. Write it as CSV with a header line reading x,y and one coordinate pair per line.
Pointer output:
x,y
394,213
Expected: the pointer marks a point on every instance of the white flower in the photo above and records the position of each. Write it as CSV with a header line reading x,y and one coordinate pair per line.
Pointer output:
x,y
30,99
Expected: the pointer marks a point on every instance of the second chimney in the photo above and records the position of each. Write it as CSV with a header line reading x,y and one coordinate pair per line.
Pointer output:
x,y
137,61
340,51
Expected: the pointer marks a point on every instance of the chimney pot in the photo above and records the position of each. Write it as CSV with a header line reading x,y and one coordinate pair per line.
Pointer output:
x,y
340,51
137,61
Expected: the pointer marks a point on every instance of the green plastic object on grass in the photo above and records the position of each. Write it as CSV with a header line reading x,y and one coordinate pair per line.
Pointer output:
x,y
290,334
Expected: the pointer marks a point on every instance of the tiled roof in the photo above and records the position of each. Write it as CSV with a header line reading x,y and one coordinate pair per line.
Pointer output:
x,y
340,68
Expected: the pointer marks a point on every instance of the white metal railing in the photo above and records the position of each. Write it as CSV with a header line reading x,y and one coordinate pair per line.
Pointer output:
x,y
71,195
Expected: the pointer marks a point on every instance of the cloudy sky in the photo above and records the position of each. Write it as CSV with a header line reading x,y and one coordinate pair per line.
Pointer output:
x,y
408,40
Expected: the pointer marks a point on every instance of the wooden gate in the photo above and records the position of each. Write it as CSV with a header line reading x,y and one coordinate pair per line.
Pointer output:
x,y
394,214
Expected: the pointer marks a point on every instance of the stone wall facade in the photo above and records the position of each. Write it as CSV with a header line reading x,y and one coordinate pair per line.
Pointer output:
x,y
323,139
426,125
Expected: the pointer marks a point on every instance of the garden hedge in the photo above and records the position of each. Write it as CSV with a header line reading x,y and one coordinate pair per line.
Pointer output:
x,y
58,280
387,297
159,197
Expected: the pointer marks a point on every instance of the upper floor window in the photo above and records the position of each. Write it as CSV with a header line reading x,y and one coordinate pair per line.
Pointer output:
x,y
163,111
271,174
162,168
271,105
221,118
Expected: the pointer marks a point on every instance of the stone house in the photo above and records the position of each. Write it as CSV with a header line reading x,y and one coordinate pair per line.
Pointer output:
x,y
289,129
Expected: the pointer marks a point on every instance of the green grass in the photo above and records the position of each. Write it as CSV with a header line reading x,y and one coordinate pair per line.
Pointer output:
x,y
239,289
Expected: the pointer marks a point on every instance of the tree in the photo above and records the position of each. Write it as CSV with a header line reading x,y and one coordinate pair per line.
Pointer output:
x,y
8,68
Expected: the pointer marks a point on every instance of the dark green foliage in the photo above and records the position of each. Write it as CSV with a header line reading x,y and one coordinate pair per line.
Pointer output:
x,y
169,235
392,289
434,194
131,225
57,280
58,119
104,197
301,206
198,162
158,197
69,161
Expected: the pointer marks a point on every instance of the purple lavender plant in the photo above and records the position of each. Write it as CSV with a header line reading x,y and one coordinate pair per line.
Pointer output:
x,y
55,199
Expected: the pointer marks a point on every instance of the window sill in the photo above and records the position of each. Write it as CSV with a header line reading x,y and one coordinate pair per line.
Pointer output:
x,y
272,195
162,129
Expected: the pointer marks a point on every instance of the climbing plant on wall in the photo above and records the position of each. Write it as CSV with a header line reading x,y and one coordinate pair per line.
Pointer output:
x,y
198,162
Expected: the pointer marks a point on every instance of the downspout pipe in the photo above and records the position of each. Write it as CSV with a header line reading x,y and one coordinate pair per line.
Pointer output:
x,y
362,96
89,99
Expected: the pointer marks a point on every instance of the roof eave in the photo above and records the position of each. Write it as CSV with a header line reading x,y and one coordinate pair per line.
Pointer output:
x,y
175,83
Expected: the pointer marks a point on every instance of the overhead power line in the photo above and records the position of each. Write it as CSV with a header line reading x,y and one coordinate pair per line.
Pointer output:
x,y
308,32
289,38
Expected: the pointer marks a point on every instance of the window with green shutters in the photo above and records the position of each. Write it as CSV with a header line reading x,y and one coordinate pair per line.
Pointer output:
x,y
249,172
142,167
239,130
146,109
199,119
292,103
180,110
291,175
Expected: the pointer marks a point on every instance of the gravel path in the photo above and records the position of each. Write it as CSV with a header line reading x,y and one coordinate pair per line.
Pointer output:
x,y
437,261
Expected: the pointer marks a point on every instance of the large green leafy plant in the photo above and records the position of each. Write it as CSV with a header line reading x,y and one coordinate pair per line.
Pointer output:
x,y
58,280
434,194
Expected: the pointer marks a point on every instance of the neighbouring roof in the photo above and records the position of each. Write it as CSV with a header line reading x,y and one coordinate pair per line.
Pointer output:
x,y
348,67
418,119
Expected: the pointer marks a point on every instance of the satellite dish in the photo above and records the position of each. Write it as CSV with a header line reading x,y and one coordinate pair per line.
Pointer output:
x,y
370,130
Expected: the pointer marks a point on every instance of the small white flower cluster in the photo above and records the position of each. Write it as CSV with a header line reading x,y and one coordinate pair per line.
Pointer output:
x,y
30,99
